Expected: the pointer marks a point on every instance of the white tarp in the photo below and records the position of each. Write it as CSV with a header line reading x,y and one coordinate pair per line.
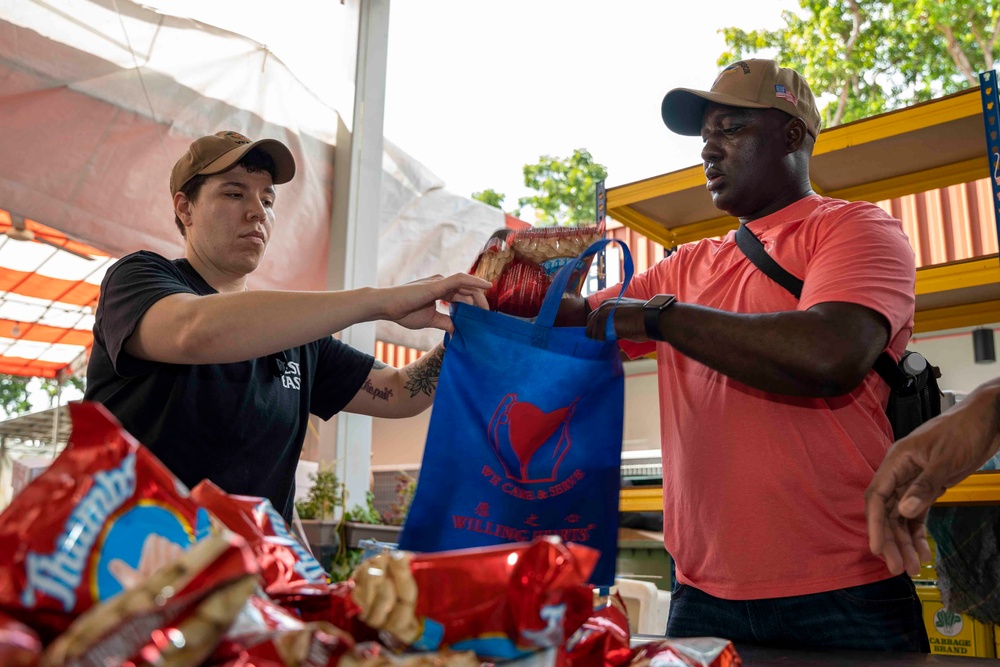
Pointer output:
x,y
98,98
424,229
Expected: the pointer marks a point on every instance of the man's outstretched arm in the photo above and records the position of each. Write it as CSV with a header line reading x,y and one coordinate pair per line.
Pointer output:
x,y
920,467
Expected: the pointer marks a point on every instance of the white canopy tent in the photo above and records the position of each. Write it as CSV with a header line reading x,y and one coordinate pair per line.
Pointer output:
x,y
98,98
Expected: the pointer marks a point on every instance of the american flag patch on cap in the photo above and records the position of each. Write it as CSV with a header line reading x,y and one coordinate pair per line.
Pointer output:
x,y
779,91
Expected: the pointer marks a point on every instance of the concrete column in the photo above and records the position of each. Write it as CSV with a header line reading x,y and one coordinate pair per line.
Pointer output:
x,y
347,439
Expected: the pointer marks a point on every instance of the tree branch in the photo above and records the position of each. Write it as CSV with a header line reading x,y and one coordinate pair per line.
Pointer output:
x,y
984,44
957,54
851,82
990,43
842,101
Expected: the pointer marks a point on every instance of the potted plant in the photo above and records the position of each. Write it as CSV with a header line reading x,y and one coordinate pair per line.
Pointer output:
x,y
367,523
317,512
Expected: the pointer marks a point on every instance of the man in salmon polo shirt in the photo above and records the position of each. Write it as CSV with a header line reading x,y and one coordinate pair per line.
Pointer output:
x,y
772,420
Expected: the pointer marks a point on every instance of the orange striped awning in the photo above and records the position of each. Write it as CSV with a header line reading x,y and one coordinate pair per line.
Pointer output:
x,y
49,285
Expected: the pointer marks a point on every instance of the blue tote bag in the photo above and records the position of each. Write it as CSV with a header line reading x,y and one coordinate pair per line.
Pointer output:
x,y
525,435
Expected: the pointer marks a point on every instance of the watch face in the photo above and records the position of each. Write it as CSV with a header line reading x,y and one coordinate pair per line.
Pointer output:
x,y
659,301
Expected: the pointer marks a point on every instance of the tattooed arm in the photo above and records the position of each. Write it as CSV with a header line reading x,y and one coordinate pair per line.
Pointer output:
x,y
399,392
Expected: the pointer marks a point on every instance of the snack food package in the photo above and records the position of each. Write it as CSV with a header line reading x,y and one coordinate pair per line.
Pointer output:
x,y
522,264
284,562
500,602
331,603
691,652
174,617
520,289
603,639
103,516
375,655
19,645
553,247
264,632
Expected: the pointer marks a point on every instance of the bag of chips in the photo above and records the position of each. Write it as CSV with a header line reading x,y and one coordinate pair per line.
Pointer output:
x,y
604,638
101,518
501,602
264,632
285,564
690,652
19,644
176,616
522,264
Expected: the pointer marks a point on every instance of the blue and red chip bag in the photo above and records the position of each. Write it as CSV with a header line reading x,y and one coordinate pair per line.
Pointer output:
x,y
103,516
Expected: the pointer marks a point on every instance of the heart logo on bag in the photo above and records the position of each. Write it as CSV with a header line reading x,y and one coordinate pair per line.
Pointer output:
x,y
529,442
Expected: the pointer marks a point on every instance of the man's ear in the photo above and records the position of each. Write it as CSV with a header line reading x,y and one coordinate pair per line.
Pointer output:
x,y
182,208
795,134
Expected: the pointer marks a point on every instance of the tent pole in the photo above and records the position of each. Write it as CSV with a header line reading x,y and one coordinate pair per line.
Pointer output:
x,y
347,440
55,416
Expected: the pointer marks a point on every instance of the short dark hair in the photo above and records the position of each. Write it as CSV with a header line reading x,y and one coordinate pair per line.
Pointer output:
x,y
253,161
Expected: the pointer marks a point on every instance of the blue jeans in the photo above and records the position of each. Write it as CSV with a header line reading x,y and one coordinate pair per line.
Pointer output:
x,y
882,616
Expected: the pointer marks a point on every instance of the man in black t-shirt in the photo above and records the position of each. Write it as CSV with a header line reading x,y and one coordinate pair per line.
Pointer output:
x,y
219,381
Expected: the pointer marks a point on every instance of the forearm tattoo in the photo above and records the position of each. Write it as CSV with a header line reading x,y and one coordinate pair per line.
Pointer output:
x,y
424,373
384,393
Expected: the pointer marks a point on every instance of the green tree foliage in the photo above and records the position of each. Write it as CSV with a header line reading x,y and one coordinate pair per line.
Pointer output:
x,y
15,392
14,395
564,189
871,56
490,197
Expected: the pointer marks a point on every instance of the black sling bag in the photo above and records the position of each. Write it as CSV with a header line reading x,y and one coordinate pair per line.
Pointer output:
x,y
914,396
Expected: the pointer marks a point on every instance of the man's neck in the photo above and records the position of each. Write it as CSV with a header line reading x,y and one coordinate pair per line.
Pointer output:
x,y
779,204
221,281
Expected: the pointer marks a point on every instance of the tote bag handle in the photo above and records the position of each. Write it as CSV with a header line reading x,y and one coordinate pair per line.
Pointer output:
x,y
550,306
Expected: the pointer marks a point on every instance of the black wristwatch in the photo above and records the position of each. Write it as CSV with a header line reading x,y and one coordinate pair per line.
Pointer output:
x,y
651,314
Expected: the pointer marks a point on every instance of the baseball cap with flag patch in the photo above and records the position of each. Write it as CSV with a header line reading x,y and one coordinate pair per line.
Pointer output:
x,y
218,152
752,84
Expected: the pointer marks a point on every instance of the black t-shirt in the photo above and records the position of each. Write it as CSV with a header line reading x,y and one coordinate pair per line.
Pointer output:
x,y
240,425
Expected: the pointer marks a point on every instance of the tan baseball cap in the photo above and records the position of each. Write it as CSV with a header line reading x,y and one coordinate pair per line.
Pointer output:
x,y
218,152
752,84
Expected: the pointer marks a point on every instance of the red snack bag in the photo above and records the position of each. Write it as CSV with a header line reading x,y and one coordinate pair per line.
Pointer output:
x,y
103,516
19,645
603,639
284,562
371,654
263,632
521,288
501,602
331,603
174,617
692,652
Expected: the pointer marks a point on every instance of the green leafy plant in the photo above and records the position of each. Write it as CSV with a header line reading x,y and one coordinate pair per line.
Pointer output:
x,y
406,487
343,564
325,495
366,514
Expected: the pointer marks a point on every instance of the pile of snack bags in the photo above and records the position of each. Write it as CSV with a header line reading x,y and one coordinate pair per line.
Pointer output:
x,y
106,560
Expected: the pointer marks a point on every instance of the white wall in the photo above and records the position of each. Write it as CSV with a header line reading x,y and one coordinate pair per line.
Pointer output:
x,y
951,351
642,406
399,442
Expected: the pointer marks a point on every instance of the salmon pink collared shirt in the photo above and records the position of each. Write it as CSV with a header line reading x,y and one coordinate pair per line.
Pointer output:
x,y
763,494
